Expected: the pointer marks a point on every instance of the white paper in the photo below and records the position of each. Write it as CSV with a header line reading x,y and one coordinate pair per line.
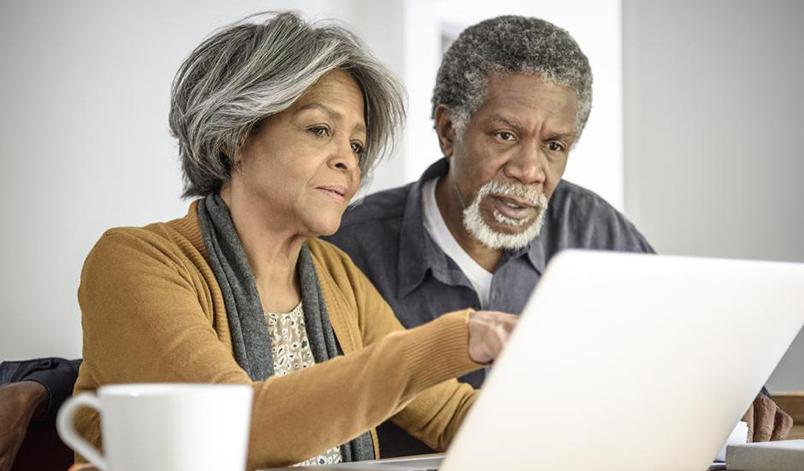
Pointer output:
x,y
738,435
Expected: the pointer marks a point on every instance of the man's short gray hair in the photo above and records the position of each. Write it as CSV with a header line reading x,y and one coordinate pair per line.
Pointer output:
x,y
256,68
504,45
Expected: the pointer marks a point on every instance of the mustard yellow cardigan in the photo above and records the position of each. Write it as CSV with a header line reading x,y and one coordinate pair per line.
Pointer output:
x,y
152,311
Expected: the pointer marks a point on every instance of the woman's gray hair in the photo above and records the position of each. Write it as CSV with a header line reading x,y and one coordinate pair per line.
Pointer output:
x,y
255,68
504,45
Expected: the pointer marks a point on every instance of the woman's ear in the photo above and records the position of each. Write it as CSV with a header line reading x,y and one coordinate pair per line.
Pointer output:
x,y
232,164
242,149
445,129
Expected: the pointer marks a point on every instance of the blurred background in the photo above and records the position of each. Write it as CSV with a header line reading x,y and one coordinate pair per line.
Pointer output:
x,y
692,133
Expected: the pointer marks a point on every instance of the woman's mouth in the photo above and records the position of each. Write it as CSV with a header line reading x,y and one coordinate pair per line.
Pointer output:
x,y
335,192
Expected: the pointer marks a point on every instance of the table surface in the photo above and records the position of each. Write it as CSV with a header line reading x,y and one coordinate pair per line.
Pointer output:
x,y
368,467
796,433
86,467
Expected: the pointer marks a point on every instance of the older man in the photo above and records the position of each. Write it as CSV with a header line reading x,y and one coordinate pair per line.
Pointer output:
x,y
511,99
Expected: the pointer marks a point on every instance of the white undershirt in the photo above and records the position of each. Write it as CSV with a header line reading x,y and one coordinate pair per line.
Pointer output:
x,y
437,228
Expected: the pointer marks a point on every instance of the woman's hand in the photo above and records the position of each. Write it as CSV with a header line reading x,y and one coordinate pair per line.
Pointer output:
x,y
488,333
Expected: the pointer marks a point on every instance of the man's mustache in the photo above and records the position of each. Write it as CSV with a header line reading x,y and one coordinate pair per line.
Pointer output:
x,y
527,193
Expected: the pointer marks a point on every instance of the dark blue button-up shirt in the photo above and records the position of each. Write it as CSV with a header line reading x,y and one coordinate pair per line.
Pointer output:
x,y
385,236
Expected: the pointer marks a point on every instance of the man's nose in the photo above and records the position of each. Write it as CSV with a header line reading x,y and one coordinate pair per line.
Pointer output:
x,y
528,165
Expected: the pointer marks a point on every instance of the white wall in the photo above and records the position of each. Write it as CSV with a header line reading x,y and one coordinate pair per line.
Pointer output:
x,y
83,122
84,92
713,115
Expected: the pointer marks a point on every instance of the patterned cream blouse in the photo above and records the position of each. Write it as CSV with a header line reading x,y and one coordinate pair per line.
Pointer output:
x,y
291,352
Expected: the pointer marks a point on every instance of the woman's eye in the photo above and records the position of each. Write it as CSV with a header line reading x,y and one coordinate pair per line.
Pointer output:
x,y
358,149
505,135
320,131
555,146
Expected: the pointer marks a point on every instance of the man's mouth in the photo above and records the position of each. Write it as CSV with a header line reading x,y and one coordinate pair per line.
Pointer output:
x,y
513,208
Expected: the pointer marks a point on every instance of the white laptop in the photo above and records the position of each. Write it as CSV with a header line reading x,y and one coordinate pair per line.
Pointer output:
x,y
628,362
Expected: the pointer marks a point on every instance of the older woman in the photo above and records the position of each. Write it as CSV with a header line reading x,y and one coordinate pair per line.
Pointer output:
x,y
276,123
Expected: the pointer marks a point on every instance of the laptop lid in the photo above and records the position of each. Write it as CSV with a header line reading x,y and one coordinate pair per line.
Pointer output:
x,y
631,362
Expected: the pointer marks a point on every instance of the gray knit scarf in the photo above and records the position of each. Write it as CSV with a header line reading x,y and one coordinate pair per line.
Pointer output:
x,y
250,340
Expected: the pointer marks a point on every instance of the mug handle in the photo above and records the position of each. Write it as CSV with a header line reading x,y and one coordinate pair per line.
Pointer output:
x,y
66,428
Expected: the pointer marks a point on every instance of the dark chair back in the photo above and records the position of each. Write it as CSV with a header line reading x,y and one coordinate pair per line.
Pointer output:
x,y
41,449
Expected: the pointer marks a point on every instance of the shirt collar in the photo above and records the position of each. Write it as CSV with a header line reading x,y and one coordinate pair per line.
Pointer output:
x,y
418,253
534,252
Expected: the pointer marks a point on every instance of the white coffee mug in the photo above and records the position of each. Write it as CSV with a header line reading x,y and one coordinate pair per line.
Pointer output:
x,y
166,426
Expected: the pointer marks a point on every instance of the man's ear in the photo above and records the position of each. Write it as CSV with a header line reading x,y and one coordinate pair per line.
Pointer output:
x,y
445,129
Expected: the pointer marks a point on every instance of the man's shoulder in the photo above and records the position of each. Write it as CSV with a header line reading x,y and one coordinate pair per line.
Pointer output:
x,y
373,226
377,208
569,195
579,217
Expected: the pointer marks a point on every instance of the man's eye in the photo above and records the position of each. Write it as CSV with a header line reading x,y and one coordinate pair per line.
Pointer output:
x,y
505,135
358,149
320,131
556,146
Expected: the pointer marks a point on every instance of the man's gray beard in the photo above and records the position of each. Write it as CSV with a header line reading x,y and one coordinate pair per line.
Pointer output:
x,y
478,227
